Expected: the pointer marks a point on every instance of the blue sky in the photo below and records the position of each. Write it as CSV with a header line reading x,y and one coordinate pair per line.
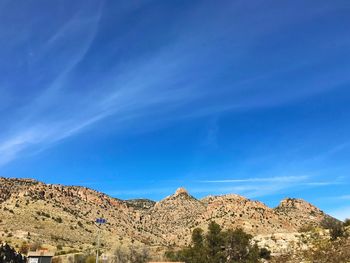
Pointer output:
x,y
136,98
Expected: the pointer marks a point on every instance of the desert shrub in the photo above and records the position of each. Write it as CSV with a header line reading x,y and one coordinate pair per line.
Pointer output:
x,y
56,260
90,259
59,247
41,213
132,254
80,258
35,246
337,251
335,227
58,219
306,228
347,222
139,254
265,253
65,252
24,248
328,222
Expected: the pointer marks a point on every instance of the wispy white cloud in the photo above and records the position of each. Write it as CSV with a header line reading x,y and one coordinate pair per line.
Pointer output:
x,y
169,83
323,183
333,150
260,179
262,186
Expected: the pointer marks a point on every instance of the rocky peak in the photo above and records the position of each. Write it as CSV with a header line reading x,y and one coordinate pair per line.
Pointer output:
x,y
181,196
299,212
181,191
295,203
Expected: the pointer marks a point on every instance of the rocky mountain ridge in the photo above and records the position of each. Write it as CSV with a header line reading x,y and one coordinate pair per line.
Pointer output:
x,y
56,214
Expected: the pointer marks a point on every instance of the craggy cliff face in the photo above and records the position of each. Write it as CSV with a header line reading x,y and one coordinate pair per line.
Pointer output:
x,y
53,214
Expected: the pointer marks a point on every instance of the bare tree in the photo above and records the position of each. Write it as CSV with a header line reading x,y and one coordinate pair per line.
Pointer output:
x,y
130,254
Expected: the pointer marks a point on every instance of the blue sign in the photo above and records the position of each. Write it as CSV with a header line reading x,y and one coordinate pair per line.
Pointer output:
x,y
101,221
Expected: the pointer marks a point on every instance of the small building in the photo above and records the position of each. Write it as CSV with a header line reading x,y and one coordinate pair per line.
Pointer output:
x,y
40,257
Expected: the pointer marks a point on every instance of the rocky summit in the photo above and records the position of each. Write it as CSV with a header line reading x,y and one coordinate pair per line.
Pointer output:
x,y
65,215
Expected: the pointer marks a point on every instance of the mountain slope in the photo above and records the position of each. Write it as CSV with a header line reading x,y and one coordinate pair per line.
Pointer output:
x,y
173,218
233,211
56,214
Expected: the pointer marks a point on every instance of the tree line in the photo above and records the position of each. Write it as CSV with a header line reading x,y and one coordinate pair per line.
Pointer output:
x,y
219,246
